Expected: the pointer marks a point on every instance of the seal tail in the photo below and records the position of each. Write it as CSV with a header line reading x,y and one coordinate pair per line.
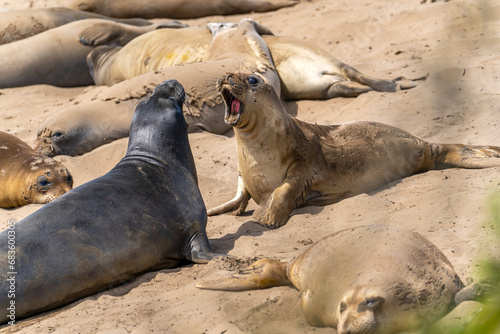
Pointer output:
x,y
465,156
262,274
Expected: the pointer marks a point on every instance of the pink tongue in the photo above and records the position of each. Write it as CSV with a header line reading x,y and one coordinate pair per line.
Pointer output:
x,y
235,106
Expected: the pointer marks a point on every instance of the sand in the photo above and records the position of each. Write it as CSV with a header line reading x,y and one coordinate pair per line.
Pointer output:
x,y
457,43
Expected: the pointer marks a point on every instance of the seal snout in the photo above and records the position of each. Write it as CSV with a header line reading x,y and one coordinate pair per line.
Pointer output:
x,y
170,89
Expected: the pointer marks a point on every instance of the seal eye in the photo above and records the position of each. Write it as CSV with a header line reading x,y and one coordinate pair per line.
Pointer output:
x,y
42,183
57,135
342,307
252,80
374,302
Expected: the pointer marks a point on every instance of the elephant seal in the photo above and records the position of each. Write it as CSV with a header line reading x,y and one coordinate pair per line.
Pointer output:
x,y
146,213
306,71
81,128
285,163
60,56
176,9
27,177
23,23
366,279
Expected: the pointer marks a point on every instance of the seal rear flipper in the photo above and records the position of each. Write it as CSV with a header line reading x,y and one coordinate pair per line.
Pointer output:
x,y
237,204
465,156
405,83
346,89
480,292
262,274
379,85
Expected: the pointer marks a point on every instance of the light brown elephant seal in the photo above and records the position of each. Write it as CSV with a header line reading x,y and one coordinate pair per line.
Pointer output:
x,y
178,9
306,71
81,128
285,163
23,23
57,57
27,177
364,280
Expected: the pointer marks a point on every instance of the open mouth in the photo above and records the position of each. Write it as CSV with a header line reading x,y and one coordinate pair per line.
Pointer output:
x,y
233,108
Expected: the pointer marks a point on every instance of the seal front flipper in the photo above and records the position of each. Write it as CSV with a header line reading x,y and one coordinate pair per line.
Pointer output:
x,y
238,203
288,196
99,34
264,273
104,33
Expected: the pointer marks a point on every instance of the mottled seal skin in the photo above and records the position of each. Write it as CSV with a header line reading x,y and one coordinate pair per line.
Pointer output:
x,y
365,280
27,177
285,163
19,24
58,56
81,128
144,214
178,9
306,71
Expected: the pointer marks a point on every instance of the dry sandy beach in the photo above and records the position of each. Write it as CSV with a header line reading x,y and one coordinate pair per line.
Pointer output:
x,y
457,43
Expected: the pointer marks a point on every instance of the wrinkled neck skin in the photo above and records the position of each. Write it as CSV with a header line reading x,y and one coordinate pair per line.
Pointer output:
x,y
160,140
255,127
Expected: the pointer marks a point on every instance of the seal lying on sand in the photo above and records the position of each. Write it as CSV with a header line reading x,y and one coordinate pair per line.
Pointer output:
x,y
57,57
79,129
23,23
306,71
285,163
27,177
367,279
146,213
176,9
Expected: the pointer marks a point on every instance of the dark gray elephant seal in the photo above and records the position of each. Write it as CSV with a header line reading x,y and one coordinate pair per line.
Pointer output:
x,y
146,213
178,9
57,56
363,280
23,23
285,163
